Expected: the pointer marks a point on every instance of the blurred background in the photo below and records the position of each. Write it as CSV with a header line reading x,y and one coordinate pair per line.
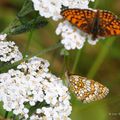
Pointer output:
x,y
100,62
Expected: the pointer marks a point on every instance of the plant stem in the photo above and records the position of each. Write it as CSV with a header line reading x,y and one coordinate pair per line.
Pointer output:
x,y
8,29
100,58
28,43
53,47
6,114
76,60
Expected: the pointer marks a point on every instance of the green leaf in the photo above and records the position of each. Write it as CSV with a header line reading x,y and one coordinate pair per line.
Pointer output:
x,y
32,24
26,9
2,111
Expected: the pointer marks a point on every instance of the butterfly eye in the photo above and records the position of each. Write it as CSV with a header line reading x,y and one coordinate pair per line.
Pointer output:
x,y
87,90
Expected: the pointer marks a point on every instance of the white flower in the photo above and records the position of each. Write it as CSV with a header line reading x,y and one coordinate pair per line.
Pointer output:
x,y
9,52
52,8
48,8
34,66
21,86
72,37
91,41
3,36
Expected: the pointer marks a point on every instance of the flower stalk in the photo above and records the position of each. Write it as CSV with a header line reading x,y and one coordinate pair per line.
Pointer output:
x,y
100,58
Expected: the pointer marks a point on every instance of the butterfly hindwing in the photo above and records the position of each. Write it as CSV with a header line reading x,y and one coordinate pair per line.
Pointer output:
x,y
109,24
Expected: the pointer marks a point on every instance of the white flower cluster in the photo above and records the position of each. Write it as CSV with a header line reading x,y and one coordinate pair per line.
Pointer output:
x,y
72,37
3,36
8,50
51,113
52,8
32,83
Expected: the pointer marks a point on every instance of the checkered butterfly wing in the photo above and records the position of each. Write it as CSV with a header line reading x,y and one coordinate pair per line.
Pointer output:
x,y
87,90
82,18
109,24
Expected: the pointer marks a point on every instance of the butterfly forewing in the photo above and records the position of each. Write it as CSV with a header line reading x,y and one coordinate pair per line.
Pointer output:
x,y
109,24
87,90
82,18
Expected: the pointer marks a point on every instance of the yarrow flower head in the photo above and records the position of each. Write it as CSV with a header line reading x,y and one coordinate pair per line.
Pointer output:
x,y
9,51
52,8
3,36
71,36
33,84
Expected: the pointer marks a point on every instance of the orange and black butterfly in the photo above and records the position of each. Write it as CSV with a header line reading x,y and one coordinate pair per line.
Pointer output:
x,y
86,90
98,23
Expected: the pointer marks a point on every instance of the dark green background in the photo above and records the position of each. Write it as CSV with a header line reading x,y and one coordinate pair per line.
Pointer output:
x,y
108,69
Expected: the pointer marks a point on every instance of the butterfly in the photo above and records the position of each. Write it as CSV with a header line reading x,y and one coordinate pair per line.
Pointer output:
x,y
98,23
86,90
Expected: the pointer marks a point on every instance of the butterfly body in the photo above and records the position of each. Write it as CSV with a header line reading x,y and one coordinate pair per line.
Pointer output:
x,y
98,23
94,28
